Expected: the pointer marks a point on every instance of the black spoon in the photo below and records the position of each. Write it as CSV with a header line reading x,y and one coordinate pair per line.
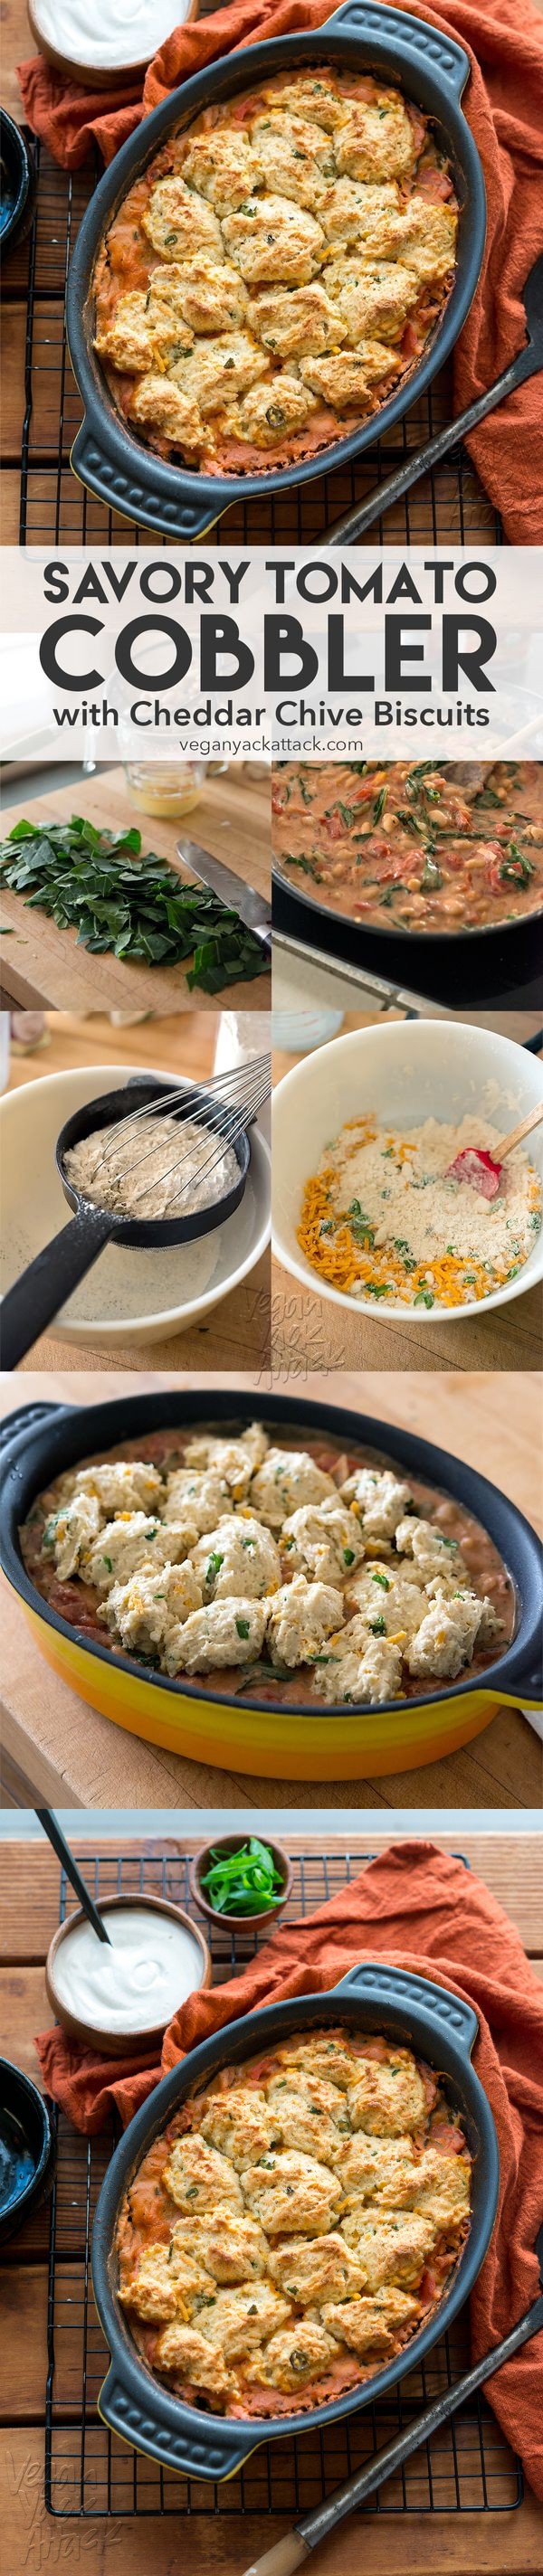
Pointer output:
x,y
527,363
55,1835
295,2547
49,1279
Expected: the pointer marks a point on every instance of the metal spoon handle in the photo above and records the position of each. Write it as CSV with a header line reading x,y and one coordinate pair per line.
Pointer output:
x,y
315,2525
384,494
55,1835
43,1288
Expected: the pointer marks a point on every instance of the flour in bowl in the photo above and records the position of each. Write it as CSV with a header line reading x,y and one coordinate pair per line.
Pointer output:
x,y
382,1218
165,1167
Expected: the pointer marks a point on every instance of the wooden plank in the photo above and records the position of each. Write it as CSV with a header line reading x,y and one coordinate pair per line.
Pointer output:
x,y
32,2243
509,1864
17,43
176,1043
505,2544
12,350
48,347
23,2342
24,2010
23,2349
45,966
10,506
306,1326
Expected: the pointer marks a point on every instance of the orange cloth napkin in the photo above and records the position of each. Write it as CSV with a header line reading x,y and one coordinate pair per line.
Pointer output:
x,y
420,1909
504,104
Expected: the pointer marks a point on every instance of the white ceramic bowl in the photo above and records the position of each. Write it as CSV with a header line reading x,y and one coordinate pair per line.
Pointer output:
x,y
408,1071
141,1296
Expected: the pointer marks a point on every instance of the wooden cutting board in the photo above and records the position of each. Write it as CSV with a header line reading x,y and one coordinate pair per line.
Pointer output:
x,y
43,967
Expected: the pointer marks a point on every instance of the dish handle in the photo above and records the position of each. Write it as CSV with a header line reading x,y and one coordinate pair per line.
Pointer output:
x,y
394,28
216,2448
16,1427
418,1995
132,499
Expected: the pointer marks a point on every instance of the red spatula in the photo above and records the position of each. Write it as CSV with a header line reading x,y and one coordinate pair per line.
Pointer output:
x,y
480,1169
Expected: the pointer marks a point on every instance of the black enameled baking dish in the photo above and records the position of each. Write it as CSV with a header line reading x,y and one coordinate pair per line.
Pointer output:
x,y
442,2029
433,70
459,968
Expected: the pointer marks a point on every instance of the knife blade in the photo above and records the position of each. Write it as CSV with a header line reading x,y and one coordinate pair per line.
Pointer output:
x,y
209,871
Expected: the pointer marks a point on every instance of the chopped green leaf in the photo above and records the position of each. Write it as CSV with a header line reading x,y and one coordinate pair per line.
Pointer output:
x,y
98,884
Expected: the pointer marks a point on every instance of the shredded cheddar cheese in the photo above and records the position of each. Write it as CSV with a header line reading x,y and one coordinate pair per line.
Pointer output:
x,y
383,1218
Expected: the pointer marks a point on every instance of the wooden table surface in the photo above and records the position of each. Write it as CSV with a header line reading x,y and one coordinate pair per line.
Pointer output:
x,y
504,2544
308,1331
58,1752
43,967
17,43
237,1331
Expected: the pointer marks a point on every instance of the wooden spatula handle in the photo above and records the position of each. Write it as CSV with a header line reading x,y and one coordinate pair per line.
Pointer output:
x,y
287,2554
533,1119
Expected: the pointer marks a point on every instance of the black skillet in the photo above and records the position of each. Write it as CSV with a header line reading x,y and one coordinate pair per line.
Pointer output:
x,y
460,969
48,1281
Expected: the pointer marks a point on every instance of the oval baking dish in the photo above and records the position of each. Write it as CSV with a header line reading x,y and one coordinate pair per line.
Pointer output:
x,y
373,1998
433,70
40,1442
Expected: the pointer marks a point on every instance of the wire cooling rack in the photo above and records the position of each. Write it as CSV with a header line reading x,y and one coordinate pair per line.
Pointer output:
x,y
467,2468
446,507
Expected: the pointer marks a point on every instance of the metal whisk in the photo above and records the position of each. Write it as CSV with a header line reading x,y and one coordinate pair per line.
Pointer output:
x,y
227,1105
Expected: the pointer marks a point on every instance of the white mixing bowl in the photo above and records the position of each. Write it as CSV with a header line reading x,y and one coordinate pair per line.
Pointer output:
x,y
404,1073
128,1295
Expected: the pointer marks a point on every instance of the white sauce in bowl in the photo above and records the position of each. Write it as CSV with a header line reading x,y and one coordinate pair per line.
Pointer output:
x,y
127,32
136,1984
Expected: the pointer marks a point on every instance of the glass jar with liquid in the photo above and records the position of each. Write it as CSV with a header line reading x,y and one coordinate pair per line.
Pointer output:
x,y
165,789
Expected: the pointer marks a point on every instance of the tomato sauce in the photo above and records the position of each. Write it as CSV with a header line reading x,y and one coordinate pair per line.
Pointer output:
x,y
417,847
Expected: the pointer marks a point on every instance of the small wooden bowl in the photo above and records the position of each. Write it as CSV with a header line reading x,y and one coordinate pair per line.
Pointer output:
x,y
232,1843
119,2043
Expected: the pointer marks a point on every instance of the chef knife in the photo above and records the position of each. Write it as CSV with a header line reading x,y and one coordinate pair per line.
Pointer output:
x,y
253,911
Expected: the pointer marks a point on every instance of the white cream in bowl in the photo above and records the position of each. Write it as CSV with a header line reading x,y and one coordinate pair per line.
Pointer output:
x,y
134,1983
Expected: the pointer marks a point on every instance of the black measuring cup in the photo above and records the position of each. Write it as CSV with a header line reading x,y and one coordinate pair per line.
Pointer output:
x,y
48,1281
